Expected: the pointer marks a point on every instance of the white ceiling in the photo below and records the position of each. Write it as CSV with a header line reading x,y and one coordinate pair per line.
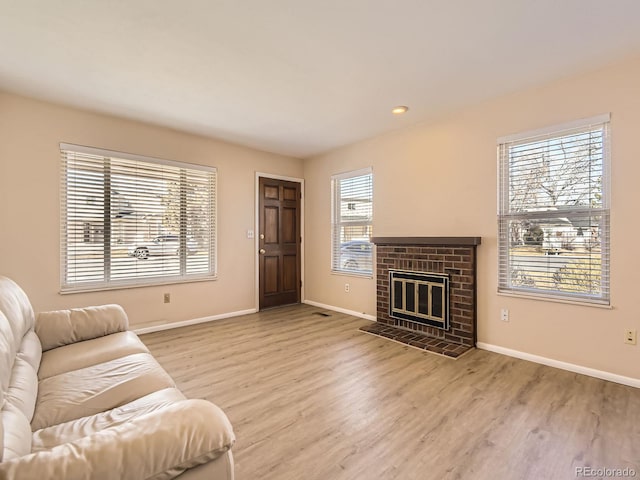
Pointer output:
x,y
300,77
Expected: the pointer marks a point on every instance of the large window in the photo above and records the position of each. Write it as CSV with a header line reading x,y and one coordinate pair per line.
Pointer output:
x,y
352,219
554,212
131,220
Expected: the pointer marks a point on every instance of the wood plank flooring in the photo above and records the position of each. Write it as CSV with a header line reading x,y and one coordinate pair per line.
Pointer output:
x,y
313,398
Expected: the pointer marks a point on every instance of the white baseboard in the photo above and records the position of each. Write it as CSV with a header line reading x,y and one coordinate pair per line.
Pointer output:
x,y
341,310
592,372
193,321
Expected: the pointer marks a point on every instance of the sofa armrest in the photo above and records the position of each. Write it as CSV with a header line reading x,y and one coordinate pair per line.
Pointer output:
x,y
160,445
62,327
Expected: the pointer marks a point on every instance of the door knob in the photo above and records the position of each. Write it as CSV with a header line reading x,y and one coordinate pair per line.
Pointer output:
x,y
262,251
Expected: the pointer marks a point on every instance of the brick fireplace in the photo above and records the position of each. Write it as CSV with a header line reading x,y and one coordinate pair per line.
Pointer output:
x,y
415,258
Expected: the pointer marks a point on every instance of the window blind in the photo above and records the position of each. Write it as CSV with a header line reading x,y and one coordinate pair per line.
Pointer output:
x,y
132,220
553,212
352,221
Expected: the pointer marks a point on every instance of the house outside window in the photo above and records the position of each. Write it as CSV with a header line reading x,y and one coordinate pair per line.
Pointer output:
x,y
129,220
553,212
352,222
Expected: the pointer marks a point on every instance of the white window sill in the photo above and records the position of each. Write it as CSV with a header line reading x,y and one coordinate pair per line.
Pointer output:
x,y
123,286
351,274
546,298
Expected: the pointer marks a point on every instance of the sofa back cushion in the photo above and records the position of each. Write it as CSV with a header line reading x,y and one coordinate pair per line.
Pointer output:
x,y
23,385
16,432
19,391
17,309
63,327
20,354
8,351
20,399
16,321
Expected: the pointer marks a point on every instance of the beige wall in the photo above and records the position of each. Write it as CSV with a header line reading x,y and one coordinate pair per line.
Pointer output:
x,y
440,180
30,132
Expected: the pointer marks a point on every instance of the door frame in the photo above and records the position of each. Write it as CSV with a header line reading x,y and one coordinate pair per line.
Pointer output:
x,y
256,232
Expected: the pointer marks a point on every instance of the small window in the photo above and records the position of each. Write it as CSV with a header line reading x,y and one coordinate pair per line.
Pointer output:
x,y
554,212
130,220
352,221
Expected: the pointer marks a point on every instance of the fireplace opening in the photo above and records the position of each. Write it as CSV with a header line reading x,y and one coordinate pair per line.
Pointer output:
x,y
420,297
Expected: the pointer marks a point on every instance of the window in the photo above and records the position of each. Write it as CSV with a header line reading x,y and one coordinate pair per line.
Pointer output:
x,y
352,219
554,212
131,220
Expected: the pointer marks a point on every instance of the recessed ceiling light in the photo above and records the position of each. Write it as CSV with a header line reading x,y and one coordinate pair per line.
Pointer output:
x,y
399,110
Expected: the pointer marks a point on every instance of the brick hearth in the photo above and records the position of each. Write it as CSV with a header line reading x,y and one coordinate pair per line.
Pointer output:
x,y
454,256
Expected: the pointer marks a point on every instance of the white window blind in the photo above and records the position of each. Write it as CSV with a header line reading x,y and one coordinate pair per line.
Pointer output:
x,y
132,220
352,221
554,212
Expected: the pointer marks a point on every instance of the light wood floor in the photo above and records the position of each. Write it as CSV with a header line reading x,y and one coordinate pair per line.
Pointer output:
x,y
313,398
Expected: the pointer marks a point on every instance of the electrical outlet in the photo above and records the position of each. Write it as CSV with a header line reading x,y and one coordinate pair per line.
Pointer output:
x,y
347,288
630,337
167,298
504,314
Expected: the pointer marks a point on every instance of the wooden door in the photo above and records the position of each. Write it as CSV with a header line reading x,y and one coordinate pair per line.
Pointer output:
x,y
279,242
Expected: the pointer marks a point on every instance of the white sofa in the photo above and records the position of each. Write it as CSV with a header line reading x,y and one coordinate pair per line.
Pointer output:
x,y
82,398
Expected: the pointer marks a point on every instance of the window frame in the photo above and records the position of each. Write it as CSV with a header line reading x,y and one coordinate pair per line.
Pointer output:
x,y
337,223
107,283
505,215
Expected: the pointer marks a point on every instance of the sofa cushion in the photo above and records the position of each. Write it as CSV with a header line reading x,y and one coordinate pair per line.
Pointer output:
x,y
23,388
157,446
8,350
16,307
63,327
97,388
16,320
23,385
31,350
72,430
17,433
90,352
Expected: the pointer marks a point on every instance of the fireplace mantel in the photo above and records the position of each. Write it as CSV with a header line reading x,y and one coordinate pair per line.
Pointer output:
x,y
431,241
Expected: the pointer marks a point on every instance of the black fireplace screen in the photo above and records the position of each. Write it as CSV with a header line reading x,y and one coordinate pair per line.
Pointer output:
x,y
420,297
